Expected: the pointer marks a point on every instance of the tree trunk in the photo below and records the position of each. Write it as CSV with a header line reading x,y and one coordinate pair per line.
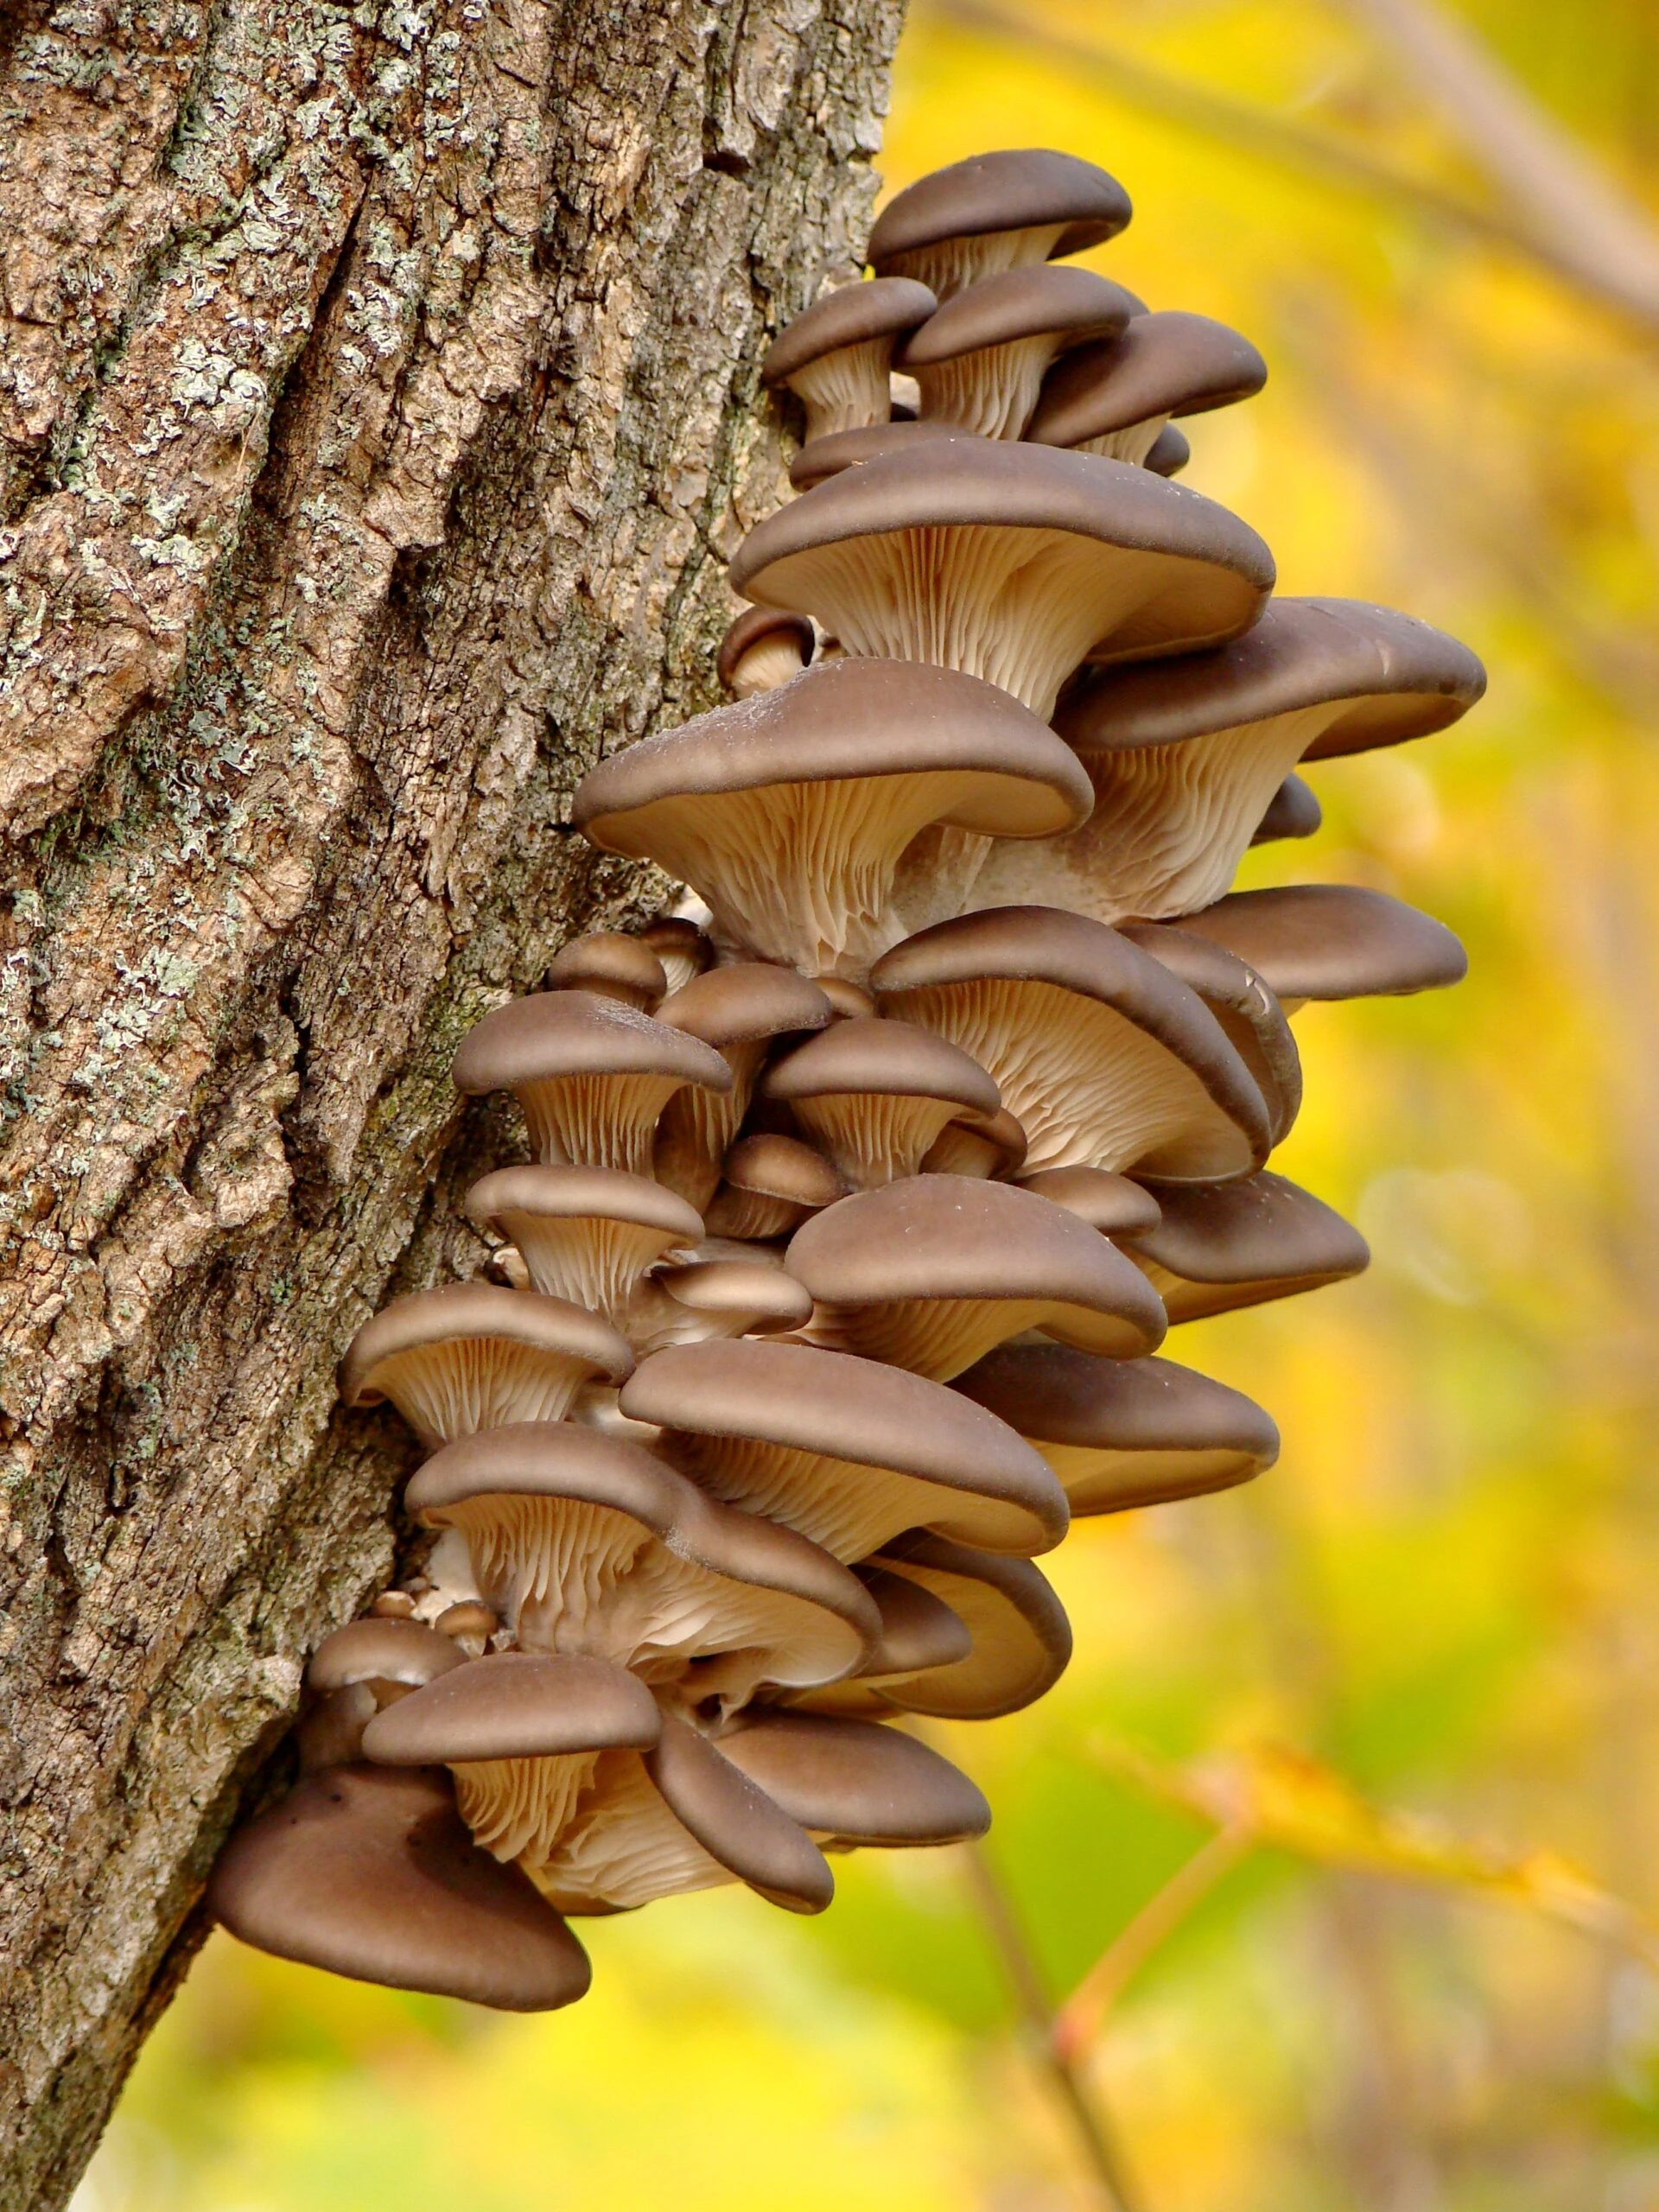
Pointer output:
x,y
378,400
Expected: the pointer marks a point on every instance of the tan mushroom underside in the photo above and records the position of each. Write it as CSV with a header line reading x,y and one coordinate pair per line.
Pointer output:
x,y
595,1120
1131,444
698,1126
1098,1479
623,1847
875,1138
952,264
576,1578
1171,824
1088,1088
457,1387
942,1338
845,389
587,1258
992,391
1020,607
769,663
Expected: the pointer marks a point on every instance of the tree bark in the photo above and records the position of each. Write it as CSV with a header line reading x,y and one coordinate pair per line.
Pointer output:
x,y
378,401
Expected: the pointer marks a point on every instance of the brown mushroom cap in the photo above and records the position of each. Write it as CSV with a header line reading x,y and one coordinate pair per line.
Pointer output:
x,y
827,456
403,1652
1241,1244
1293,811
844,1450
1110,1204
473,1354
1248,1011
1104,1056
996,211
919,1630
771,1184
514,1705
762,649
1022,1638
1332,941
1121,1433
734,1298
372,1873
877,1094
680,945
853,1782
612,966
669,1575
591,1075
930,1272
587,1234
1007,562
739,1010
789,811
1382,676
1169,452
737,1822
980,361
1158,366
853,315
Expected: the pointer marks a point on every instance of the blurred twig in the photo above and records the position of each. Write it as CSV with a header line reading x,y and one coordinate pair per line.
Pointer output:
x,y
1275,137
1565,200
1036,2013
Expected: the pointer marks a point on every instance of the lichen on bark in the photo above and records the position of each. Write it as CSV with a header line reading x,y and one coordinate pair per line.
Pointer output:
x,y
376,404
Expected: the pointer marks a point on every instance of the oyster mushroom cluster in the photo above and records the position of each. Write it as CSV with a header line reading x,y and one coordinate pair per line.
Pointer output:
x,y
864,1190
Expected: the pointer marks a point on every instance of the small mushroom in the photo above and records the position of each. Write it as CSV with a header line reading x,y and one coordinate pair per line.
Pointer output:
x,y
522,1733
744,1291
1123,1434
980,361
847,1451
588,1234
762,649
1020,1639
681,945
1114,396
590,1075
469,1625
1186,755
997,1147
851,1001
1242,1243
1104,1058
770,1184
1249,1014
371,1873
610,965
854,1783
836,356
737,1822
1332,941
996,211
789,811
827,457
931,1273
586,1546
741,1010
1293,811
393,1605
473,1356
1009,562
1110,1204
877,1094
1169,452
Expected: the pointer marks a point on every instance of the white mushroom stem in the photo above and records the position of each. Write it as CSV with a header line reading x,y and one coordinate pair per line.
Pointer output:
x,y
1170,826
845,389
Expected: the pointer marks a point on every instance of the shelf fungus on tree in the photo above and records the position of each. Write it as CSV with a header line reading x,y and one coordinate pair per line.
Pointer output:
x,y
981,360
1102,1055
993,212
932,1272
591,1076
1123,1434
789,811
1007,562
473,1354
864,1183
1114,396
1225,1245
836,356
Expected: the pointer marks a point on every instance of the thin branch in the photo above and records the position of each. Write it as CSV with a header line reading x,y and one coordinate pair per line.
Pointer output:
x,y
1079,2019
1255,130
1566,198
1036,2013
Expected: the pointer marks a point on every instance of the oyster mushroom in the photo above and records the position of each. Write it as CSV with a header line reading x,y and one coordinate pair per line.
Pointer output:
x,y
770,1184
741,1011
877,1095
1241,1244
1115,397
1331,941
610,965
980,361
588,1234
836,357
762,649
995,211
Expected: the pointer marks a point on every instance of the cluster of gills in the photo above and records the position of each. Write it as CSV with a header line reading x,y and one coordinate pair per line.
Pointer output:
x,y
861,1202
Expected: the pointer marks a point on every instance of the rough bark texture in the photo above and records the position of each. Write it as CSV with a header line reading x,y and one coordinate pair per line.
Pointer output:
x,y
377,399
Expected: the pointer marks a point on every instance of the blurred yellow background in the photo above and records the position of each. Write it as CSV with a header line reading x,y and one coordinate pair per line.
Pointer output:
x,y
1444,1600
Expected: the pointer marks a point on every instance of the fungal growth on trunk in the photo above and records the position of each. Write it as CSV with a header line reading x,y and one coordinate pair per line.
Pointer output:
x,y
834,1274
